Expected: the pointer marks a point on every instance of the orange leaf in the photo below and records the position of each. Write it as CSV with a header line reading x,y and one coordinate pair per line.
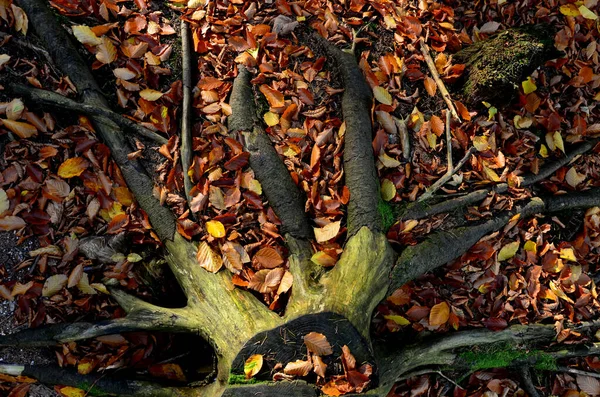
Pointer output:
x,y
21,129
439,314
207,258
430,86
275,98
462,110
72,167
170,371
298,368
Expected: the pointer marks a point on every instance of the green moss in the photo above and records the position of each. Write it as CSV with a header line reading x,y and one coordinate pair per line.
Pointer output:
x,y
236,379
387,213
91,390
497,66
502,355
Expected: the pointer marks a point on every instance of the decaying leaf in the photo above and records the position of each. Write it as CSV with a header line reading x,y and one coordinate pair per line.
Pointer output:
x,y
253,365
318,344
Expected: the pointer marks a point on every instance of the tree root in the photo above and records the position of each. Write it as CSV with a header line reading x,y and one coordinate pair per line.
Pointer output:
x,y
419,210
96,384
445,246
359,162
186,112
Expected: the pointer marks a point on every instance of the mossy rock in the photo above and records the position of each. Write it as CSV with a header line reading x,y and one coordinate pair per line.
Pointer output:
x,y
496,67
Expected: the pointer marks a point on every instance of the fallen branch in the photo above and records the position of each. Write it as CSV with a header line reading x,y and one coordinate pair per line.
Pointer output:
x,y
186,112
575,371
52,99
437,79
418,210
451,170
527,381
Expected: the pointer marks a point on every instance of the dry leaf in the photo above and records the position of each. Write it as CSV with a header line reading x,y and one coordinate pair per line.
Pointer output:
x,y
318,344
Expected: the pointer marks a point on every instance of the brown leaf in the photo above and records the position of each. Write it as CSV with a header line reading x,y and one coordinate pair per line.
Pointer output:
x,y
75,276
430,86
298,368
318,344
170,371
348,360
266,280
208,259
21,129
268,258
12,223
319,366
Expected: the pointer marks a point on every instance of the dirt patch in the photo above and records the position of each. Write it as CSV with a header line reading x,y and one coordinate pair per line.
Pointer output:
x,y
11,255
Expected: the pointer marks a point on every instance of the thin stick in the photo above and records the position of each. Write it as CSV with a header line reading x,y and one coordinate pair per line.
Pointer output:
x,y
450,169
578,372
48,98
438,80
186,113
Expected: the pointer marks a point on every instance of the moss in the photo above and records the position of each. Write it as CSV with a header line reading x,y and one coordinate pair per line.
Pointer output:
x,y
236,379
91,390
388,214
502,355
496,66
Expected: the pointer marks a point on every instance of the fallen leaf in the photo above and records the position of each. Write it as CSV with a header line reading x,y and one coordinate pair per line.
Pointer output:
x,y
327,232
21,129
208,259
298,368
439,314
318,344
54,284
215,229
85,35
253,365
508,251
382,95
72,167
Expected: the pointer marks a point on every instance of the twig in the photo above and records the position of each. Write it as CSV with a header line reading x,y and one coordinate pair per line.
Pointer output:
x,y
450,169
438,80
578,372
27,44
52,99
186,114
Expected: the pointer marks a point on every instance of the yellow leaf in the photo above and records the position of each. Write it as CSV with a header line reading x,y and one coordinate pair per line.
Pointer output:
x,y
491,174
481,143
271,118
253,365
397,319
85,35
568,254
69,391
106,51
388,190
569,10
508,251
559,292
529,86
382,95
558,141
574,178
390,23
530,246
522,122
54,284
327,232
150,94
387,161
550,141
255,186
215,229
543,151
85,368
439,314
72,167
587,13
432,140
323,259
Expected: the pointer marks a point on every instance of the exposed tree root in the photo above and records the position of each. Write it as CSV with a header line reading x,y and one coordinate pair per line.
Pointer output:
x,y
186,111
419,210
338,302
52,99
445,246
359,163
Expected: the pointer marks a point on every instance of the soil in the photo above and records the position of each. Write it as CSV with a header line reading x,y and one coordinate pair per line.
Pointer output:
x,y
11,255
